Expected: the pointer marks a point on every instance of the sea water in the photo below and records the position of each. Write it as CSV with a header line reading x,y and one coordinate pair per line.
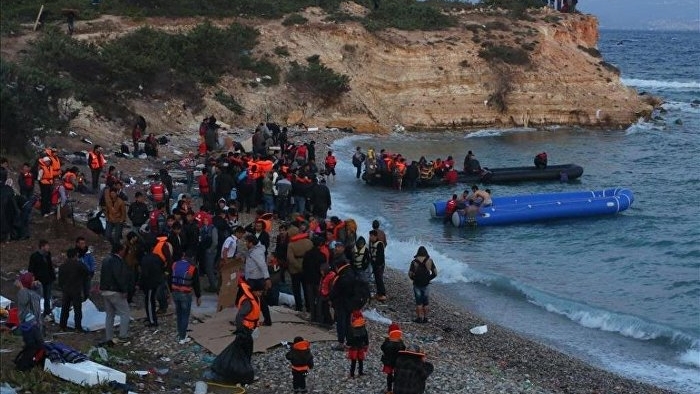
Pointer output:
x,y
620,292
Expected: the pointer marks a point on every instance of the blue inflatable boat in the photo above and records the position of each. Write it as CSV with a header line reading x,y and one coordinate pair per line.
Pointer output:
x,y
538,207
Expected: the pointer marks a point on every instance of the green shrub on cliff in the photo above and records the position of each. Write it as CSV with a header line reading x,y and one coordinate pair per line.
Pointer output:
x,y
506,54
408,15
294,19
317,80
28,98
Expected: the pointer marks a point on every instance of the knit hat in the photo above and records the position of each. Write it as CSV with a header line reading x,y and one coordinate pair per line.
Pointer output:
x,y
26,279
393,327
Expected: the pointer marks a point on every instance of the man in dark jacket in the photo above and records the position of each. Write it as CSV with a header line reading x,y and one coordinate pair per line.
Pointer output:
x,y
151,277
138,210
412,175
411,371
311,276
71,277
41,266
320,199
340,296
9,211
114,285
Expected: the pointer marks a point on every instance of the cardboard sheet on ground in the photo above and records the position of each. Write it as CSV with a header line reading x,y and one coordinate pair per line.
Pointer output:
x,y
216,332
93,319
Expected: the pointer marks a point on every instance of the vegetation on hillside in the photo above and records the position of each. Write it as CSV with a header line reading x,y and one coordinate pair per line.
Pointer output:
x,y
151,63
317,80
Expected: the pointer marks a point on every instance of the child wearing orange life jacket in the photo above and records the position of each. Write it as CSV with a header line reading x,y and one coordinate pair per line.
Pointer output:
x,y
302,361
357,342
328,276
391,347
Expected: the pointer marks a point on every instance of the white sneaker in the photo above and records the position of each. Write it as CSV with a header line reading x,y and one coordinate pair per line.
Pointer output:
x,y
184,340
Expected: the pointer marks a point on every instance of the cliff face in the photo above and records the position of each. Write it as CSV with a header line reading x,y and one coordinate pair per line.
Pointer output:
x,y
428,80
436,80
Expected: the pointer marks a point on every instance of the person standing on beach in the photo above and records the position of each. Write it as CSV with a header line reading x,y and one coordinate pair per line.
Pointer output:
x,y
114,285
96,162
340,295
377,261
391,347
299,355
411,371
184,282
358,342
422,271
71,278
41,266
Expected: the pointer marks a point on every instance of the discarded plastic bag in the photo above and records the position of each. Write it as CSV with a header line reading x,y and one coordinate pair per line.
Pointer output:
x,y
479,330
233,363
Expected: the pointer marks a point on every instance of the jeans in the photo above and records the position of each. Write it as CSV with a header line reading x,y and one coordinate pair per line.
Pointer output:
x,y
116,304
47,287
268,202
359,171
113,232
183,304
300,204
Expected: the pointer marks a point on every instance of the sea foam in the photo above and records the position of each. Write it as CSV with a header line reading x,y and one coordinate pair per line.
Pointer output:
x,y
654,84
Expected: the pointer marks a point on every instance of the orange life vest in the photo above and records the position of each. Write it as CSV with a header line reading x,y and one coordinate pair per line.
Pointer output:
x,y
301,346
337,229
96,160
250,320
46,173
68,179
55,162
159,251
298,237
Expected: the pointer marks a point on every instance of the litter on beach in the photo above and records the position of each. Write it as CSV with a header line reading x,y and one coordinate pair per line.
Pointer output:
x,y
479,330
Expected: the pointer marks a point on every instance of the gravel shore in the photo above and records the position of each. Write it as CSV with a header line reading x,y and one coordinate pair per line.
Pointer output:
x,y
496,362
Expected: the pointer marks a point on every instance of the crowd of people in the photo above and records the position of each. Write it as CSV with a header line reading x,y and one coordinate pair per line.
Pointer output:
x,y
162,246
409,174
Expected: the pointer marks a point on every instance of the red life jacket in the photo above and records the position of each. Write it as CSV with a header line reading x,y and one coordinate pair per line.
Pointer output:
x,y
153,221
326,283
203,184
55,196
28,180
330,161
301,151
158,192
450,207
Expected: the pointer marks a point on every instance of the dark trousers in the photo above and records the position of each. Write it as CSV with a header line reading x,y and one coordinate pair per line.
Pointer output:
x,y
162,296
45,198
342,322
359,171
296,291
379,280
149,297
389,381
47,287
86,286
75,300
264,307
298,380
310,295
95,178
360,365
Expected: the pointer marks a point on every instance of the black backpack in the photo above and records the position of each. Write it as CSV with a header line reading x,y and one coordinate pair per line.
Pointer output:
x,y
360,293
94,224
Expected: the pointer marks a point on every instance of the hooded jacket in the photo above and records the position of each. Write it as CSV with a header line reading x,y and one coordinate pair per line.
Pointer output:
x,y
410,373
300,356
297,248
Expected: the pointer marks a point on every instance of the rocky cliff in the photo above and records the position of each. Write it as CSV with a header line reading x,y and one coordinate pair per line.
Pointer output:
x,y
430,80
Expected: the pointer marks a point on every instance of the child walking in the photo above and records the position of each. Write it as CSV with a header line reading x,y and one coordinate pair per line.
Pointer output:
x,y
358,342
302,361
391,347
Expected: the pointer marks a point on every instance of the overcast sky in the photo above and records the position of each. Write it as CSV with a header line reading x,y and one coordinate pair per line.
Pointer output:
x,y
644,14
